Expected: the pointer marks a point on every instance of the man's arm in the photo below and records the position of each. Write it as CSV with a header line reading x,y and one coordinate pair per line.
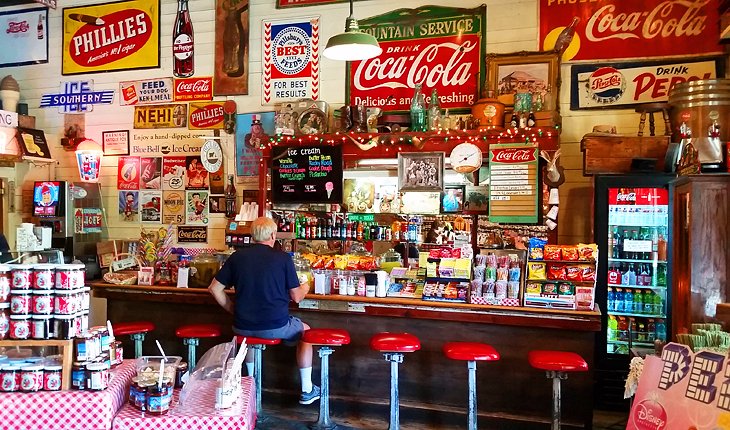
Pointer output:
x,y
219,294
298,293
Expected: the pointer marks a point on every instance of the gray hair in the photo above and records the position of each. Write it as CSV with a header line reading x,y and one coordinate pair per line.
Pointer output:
x,y
262,228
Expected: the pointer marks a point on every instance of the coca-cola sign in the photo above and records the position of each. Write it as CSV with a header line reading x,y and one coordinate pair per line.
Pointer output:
x,y
612,29
440,48
206,115
513,183
514,155
191,89
187,234
112,36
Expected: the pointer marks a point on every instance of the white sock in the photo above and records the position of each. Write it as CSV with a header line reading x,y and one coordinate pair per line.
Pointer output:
x,y
249,368
306,375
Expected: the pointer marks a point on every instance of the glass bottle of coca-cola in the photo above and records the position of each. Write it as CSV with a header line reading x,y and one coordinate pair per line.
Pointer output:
x,y
231,206
182,42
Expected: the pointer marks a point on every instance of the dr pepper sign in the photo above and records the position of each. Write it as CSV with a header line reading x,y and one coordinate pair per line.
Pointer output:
x,y
122,35
440,48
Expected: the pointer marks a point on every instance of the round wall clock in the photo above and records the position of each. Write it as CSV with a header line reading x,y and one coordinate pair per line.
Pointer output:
x,y
466,158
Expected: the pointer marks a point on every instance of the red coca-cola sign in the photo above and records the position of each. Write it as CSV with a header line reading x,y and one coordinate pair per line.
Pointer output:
x,y
124,32
513,155
17,27
206,116
439,48
611,29
638,196
190,89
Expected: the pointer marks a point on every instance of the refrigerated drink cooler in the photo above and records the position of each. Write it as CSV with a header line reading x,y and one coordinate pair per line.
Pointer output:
x,y
632,230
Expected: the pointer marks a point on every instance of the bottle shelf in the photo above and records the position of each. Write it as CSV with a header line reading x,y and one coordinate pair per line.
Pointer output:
x,y
632,314
631,260
646,287
634,342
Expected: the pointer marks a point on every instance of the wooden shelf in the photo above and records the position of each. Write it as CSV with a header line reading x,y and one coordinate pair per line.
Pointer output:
x,y
66,346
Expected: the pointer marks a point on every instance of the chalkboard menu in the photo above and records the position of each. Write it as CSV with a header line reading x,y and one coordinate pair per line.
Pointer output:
x,y
307,174
513,184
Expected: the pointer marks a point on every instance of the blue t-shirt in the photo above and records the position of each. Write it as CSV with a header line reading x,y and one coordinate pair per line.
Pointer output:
x,y
262,278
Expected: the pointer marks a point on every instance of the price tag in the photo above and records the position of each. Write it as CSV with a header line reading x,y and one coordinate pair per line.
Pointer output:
x,y
309,304
355,307
631,245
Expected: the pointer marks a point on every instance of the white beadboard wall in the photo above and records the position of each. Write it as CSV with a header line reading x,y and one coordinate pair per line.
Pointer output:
x,y
511,26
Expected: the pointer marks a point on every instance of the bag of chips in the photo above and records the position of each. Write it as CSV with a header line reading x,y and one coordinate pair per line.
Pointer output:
x,y
552,252
588,273
537,246
569,252
574,273
536,271
556,272
587,252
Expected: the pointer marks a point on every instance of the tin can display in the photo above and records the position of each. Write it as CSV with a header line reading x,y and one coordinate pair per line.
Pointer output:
x,y
9,378
52,377
22,277
20,302
43,276
4,320
5,280
31,378
41,327
19,327
64,273
42,302
63,303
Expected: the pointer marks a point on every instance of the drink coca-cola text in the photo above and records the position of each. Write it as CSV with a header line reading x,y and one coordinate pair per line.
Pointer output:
x,y
182,42
200,85
660,22
514,155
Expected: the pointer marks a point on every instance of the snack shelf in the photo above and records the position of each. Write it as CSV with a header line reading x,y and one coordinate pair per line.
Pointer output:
x,y
564,261
550,281
631,260
627,314
442,279
633,342
648,287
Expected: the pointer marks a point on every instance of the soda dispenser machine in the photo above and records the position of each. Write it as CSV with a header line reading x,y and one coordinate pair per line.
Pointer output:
x,y
53,207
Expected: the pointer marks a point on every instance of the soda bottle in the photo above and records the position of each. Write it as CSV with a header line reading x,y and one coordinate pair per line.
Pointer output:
x,y
566,36
625,236
632,275
634,330
617,240
661,275
618,300
514,120
612,328
629,301
623,329
434,112
641,334
635,236
231,206
182,42
418,110
624,274
614,275
648,302
611,300
658,305
531,121
662,245
661,330
40,26
654,243
638,302
650,330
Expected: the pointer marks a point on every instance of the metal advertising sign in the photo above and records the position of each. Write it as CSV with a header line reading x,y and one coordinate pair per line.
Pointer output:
x,y
611,29
627,84
206,115
191,89
173,207
8,119
161,116
187,234
290,60
77,97
441,48
120,35
167,143
513,183
24,37
148,92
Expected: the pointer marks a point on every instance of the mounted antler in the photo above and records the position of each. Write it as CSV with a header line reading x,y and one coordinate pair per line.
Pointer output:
x,y
553,172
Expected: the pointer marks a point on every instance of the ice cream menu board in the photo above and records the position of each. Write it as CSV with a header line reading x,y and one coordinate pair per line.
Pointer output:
x,y
307,174
513,183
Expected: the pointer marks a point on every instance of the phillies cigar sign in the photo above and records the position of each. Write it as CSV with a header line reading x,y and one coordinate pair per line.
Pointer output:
x,y
611,29
206,115
111,36
440,48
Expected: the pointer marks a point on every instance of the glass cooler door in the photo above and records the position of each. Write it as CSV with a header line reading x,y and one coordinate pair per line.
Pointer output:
x,y
638,222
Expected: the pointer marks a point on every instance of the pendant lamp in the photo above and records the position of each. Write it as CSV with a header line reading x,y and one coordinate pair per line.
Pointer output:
x,y
353,44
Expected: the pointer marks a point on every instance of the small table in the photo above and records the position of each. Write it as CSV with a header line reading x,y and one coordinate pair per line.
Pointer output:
x,y
199,414
68,410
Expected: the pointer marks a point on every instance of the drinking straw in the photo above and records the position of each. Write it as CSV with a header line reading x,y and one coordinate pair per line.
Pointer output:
x,y
162,351
162,372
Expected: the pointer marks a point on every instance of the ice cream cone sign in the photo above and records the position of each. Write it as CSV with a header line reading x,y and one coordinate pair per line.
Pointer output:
x,y
329,186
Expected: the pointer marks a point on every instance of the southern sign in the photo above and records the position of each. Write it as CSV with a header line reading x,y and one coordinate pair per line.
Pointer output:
x,y
161,116
611,29
77,97
439,47
148,92
111,36
290,60
166,143
513,183
191,89
206,115
24,37
682,390
8,119
311,174
626,84
186,234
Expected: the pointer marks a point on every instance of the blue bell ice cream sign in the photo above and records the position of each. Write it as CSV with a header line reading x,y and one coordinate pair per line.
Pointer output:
x,y
77,97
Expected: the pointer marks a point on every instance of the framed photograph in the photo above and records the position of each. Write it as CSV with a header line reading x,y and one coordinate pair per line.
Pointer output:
x,y
312,121
452,199
115,142
421,171
476,198
217,204
536,73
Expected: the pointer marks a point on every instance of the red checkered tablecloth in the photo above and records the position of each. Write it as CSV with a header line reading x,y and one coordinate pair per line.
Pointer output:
x,y
67,410
198,415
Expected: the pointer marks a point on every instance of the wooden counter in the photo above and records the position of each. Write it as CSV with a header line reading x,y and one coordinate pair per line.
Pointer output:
x,y
510,392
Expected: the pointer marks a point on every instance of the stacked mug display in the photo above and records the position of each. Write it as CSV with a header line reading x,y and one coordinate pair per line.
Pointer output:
x,y
43,301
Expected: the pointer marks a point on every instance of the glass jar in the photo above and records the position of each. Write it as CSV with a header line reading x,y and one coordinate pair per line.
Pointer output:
x,y
52,377
4,320
163,273
41,327
19,327
31,378
390,259
9,378
97,376
78,376
22,277
64,273
303,268
43,276
204,268
118,353
158,398
78,276
181,369
85,298
64,326
20,302
5,280
137,393
63,302
41,302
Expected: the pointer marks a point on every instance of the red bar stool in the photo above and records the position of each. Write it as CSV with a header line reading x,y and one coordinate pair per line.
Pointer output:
x,y
557,364
471,352
136,331
258,345
191,335
326,338
393,345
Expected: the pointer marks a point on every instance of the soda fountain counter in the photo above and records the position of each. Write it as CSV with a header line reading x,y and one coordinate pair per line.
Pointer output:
x,y
510,391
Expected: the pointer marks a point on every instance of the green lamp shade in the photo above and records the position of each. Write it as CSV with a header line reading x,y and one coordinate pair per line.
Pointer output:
x,y
352,45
